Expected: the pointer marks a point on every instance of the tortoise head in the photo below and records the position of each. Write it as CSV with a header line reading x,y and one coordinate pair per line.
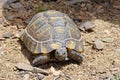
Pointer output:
x,y
61,54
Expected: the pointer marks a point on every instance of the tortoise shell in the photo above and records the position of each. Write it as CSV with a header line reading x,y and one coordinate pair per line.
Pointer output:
x,y
50,30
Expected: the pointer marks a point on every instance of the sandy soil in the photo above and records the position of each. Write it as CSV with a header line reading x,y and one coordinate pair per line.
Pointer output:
x,y
97,64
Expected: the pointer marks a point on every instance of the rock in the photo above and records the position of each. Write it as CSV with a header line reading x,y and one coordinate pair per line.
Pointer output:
x,y
20,25
116,64
1,14
50,77
16,5
86,26
107,32
89,7
117,50
40,76
98,45
76,1
6,6
23,66
8,35
42,71
9,17
1,20
26,77
16,35
12,1
2,2
107,40
54,72
1,38
2,49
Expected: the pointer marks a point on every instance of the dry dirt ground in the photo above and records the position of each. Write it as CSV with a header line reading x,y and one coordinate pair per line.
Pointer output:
x,y
97,64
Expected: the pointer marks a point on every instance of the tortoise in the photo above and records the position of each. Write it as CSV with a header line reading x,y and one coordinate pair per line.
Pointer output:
x,y
53,32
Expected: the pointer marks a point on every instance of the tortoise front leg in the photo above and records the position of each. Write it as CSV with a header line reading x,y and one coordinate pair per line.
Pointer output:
x,y
41,59
75,56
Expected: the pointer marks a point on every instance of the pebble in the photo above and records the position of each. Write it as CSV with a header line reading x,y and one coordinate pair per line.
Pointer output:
x,y
26,77
76,1
88,25
20,26
1,20
8,35
1,50
2,2
7,7
98,45
16,5
107,32
11,1
117,50
16,35
23,66
40,76
50,77
55,72
89,7
1,14
107,40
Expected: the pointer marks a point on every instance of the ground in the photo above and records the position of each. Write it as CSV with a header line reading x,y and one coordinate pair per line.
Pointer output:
x,y
97,64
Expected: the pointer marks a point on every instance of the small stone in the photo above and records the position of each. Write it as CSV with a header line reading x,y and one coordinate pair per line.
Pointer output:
x,y
86,26
1,37
117,50
54,72
17,35
116,64
40,76
11,1
6,6
1,12
89,7
50,77
26,77
10,17
16,5
76,1
20,25
83,5
1,20
23,66
2,2
2,49
107,32
98,45
107,40
8,35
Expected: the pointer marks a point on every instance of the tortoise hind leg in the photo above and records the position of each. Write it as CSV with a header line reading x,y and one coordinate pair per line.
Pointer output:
x,y
41,59
75,56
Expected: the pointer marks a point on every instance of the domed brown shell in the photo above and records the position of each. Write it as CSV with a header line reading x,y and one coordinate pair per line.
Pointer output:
x,y
50,30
